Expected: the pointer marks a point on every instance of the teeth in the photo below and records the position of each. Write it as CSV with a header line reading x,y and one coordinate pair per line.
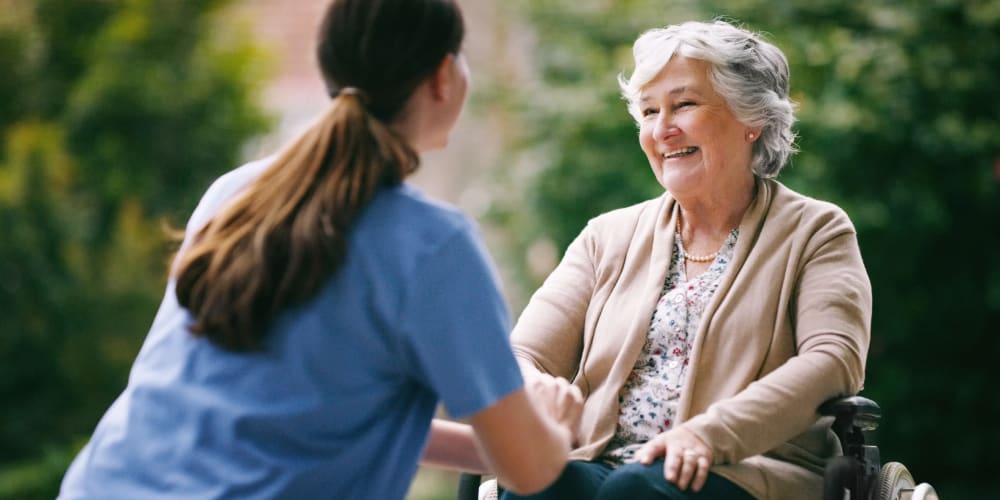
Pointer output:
x,y
681,152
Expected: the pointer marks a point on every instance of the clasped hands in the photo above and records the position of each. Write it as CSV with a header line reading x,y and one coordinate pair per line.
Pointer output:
x,y
559,400
687,459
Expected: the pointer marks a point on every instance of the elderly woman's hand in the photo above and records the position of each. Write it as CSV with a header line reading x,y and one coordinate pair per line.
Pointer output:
x,y
557,398
687,457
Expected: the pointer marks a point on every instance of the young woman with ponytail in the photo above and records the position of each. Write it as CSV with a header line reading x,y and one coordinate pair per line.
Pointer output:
x,y
319,308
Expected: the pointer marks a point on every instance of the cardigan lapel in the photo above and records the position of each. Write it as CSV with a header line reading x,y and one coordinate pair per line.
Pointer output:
x,y
650,252
750,227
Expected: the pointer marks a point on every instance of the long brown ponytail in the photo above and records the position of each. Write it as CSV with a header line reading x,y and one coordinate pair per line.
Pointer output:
x,y
277,242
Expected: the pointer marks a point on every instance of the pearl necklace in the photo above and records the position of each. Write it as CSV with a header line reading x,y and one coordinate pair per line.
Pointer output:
x,y
693,258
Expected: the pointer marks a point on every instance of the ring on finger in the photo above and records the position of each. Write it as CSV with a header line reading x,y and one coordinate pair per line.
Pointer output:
x,y
689,453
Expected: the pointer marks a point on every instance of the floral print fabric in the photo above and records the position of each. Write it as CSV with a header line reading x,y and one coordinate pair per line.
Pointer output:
x,y
647,404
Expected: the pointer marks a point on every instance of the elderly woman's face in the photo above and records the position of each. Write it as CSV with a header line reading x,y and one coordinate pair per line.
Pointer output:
x,y
691,138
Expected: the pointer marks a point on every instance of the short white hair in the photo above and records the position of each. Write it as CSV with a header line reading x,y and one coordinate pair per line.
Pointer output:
x,y
749,73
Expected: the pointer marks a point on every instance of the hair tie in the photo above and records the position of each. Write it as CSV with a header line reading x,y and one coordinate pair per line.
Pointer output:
x,y
353,91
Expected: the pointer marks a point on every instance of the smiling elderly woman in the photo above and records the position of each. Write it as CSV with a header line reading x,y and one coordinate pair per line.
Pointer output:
x,y
704,327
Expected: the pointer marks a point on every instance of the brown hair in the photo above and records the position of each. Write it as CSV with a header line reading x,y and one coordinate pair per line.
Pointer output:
x,y
276,243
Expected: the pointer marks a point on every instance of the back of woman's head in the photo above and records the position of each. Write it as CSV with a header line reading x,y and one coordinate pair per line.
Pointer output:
x,y
278,241
749,73
386,48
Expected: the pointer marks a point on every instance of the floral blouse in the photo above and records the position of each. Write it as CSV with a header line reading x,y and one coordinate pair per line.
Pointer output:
x,y
647,404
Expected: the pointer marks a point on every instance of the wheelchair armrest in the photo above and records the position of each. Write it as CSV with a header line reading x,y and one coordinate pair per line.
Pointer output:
x,y
853,411
857,471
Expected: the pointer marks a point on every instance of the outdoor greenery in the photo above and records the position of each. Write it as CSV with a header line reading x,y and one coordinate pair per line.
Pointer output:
x,y
899,125
116,115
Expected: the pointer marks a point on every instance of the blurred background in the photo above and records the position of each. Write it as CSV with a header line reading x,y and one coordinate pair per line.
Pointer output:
x,y
115,115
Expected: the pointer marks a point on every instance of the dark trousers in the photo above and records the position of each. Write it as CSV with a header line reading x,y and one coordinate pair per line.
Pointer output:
x,y
597,481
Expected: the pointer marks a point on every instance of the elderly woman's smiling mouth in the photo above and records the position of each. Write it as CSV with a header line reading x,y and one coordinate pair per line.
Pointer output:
x,y
680,153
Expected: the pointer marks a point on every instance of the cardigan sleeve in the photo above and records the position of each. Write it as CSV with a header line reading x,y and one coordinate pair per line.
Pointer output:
x,y
549,332
830,313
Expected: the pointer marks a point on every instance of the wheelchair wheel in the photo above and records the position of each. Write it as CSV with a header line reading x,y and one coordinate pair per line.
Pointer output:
x,y
894,481
841,478
490,490
924,491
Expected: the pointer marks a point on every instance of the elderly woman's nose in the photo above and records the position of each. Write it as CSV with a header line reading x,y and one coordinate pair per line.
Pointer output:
x,y
664,127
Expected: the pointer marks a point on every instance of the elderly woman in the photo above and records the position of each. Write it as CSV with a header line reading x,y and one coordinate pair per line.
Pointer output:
x,y
705,327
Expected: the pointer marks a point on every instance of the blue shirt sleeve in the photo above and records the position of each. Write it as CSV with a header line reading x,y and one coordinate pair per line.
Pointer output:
x,y
457,324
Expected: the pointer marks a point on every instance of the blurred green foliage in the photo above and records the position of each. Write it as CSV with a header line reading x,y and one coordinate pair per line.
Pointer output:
x,y
116,116
899,125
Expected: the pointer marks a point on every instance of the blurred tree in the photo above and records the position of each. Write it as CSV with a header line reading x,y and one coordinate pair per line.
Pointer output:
x,y
116,116
899,125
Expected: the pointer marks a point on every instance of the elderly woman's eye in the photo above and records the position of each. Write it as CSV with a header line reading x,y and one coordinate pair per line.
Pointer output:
x,y
684,104
648,111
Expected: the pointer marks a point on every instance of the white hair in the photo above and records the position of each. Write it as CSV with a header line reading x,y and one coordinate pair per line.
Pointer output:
x,y
749,73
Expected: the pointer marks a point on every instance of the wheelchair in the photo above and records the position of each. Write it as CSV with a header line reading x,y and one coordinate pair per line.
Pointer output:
x,y
857,474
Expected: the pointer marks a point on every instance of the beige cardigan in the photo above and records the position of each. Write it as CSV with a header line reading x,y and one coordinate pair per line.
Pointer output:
x,y
787,329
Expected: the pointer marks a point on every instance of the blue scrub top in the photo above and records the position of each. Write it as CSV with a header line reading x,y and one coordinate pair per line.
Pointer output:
x,y
339,403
